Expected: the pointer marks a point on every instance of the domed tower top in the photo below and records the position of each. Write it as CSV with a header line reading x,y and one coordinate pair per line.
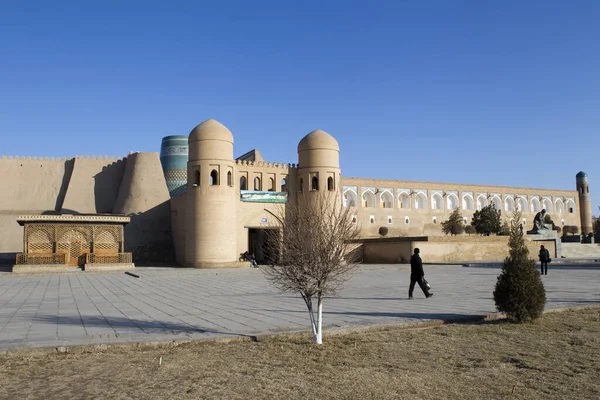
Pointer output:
x,y
318,149
581,177
318,140
210,140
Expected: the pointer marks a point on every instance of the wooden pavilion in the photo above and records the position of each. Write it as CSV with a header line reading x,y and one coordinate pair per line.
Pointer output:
x,y
88,241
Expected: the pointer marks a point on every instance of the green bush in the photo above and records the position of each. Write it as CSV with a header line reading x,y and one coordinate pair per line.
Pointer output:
x,y
487,220
571,229
504,229
454,225
519,291
470,229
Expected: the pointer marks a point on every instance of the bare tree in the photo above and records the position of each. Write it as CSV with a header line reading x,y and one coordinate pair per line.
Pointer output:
x,y
312,250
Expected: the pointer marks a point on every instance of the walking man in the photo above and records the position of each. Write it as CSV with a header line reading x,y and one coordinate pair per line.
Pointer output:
x,y
417,275
544,259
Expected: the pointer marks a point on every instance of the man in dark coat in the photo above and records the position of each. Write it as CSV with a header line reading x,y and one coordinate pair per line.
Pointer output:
x,y
544,259
417,275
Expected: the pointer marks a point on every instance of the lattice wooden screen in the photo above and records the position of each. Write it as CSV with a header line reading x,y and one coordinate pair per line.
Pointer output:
x,y
40,240
73,244
107,239
75,235
73,240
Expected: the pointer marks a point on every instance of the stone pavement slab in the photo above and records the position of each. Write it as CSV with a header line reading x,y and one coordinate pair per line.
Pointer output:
x,y
176,304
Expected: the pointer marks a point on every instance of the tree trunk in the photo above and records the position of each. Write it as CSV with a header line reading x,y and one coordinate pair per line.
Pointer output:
x,y
319,338
311,314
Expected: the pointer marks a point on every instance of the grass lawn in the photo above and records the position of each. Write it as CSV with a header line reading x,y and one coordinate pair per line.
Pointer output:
x,y
556,357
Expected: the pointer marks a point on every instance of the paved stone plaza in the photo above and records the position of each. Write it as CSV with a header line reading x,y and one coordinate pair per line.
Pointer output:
x,y
175,304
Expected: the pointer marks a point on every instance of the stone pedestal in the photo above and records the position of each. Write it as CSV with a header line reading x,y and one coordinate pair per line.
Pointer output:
x,y
547,234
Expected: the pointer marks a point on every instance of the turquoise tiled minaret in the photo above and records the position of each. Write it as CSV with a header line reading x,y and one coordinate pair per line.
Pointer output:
x,y
174,158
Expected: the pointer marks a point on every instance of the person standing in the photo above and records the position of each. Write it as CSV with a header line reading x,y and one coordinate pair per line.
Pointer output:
x,y
417,275
544,259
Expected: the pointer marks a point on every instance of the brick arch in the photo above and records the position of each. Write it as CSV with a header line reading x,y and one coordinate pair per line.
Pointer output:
x,y
451,201
350,198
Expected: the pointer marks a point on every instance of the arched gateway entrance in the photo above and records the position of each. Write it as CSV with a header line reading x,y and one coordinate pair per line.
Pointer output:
x,y
261,242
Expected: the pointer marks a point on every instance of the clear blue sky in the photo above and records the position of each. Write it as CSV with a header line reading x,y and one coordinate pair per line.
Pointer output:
x,y
484,92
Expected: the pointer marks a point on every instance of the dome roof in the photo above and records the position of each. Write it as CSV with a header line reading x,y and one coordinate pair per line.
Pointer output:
x,y
210,130
581,174
318,139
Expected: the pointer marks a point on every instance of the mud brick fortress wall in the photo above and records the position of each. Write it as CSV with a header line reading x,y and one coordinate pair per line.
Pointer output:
x,y
447,249
197,204
87,185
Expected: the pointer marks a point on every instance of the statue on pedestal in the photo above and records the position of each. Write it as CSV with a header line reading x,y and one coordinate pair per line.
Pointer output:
x,y
538,224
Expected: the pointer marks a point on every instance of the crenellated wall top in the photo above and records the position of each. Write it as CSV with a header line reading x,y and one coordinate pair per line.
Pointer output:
x,y
264,164
78,157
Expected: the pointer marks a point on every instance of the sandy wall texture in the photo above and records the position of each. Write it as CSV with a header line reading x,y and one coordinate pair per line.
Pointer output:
x,y
133,186
446,249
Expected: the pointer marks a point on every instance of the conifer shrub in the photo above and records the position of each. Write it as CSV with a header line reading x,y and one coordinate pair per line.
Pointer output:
x,y
470,229
519,291
504,229
454,225
487,220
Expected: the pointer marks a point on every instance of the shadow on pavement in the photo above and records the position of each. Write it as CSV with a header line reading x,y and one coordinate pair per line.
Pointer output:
x,y
450,317
574,301
127,324
551,266
446,317
367,298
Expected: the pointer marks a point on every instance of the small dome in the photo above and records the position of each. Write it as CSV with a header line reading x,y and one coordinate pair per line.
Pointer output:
x,y
318,139
210,130
581,178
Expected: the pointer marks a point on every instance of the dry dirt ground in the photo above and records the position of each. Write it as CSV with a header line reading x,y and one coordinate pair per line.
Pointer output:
x,y
556,357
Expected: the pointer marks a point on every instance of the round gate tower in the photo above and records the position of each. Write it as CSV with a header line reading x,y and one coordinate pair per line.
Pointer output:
x,y
211,197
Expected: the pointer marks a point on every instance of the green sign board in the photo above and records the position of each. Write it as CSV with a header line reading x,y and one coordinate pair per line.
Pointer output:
x,y
263,197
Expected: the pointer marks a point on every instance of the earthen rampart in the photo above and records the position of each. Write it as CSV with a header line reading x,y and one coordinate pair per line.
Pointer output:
x,y
31,183
456,249
93,185
42,183
87,185
143,195
47,185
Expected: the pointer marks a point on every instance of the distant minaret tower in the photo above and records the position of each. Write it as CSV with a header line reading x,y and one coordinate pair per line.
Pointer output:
x,y
585,203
